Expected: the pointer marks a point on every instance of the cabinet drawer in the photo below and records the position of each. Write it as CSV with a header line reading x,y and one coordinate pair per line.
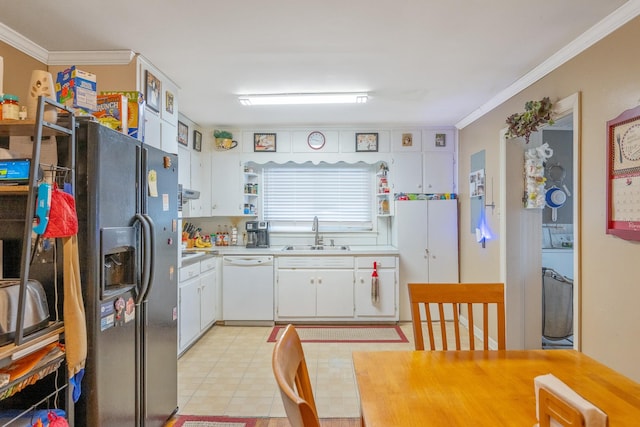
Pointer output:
x,y
383,262
207,264
189,271
316,262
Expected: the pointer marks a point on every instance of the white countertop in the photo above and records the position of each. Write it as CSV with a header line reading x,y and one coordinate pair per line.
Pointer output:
x,y
278,251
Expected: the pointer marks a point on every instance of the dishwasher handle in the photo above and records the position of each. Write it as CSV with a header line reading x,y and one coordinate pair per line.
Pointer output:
x,y
248,261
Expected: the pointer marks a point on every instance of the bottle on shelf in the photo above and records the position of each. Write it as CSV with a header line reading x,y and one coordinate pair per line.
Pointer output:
x,y
219,236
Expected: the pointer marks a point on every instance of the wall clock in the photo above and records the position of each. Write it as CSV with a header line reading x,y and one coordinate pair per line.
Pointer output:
x,y
316,140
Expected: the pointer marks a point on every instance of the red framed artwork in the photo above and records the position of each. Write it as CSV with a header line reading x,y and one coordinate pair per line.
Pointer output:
x,y
623,175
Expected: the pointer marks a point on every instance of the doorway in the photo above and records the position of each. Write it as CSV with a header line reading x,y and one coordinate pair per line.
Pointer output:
x,y
520,249
558,235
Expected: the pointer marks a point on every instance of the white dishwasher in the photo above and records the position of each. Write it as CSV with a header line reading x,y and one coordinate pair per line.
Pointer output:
x,y
247,289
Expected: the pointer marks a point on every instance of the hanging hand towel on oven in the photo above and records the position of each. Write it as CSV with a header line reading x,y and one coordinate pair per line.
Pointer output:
x,y
63,220
75,328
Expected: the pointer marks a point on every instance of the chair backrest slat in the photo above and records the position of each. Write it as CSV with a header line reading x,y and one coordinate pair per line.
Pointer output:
x,y
457,295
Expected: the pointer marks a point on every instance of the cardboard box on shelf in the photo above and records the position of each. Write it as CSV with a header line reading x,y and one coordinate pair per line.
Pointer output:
x,y
77,89
135,112
112,111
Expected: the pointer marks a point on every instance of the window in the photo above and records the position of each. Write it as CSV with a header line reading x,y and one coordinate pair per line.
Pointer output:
x,y
340,195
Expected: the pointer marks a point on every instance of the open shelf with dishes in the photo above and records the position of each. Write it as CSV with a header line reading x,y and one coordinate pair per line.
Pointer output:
x,y
250,192
384,194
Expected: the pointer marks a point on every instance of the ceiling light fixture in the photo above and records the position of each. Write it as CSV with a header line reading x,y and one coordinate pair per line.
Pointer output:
x,y
304,98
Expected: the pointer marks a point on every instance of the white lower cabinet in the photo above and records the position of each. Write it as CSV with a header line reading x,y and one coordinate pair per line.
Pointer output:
x,y
336,289
308,292
197,301
188,316
208,290
385,307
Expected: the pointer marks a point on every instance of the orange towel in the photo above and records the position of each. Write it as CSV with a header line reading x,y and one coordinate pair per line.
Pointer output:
x,y
25,365
75,326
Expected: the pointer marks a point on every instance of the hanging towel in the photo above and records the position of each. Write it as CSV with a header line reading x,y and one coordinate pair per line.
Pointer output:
x,y
74,319
375,285
483,232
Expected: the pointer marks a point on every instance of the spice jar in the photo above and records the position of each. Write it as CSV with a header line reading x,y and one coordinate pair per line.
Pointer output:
x,y
10,107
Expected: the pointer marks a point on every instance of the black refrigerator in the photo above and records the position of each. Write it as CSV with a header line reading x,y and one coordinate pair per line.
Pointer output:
x,y
127,203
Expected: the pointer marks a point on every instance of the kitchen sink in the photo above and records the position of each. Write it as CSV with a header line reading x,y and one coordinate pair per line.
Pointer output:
x,y
315,248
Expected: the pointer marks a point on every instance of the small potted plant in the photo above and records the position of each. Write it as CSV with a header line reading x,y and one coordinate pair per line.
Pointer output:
x,y
536,114
224,139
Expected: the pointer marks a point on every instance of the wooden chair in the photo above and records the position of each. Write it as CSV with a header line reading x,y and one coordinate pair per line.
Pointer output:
x,y
456,294
292,376
551,406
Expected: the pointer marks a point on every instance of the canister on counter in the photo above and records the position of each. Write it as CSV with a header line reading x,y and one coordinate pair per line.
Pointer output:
x,y
10,107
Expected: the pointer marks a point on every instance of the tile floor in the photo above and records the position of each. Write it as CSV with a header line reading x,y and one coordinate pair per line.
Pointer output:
x,y
228,372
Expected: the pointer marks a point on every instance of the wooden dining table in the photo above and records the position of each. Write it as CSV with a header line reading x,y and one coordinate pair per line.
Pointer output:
x,y
481,388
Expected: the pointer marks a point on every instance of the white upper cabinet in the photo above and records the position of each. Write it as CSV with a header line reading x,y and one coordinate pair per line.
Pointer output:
x,y
406,172
226,185
161,111
437,172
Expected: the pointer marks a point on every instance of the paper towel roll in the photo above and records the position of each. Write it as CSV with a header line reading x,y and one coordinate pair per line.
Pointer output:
x,y
41,83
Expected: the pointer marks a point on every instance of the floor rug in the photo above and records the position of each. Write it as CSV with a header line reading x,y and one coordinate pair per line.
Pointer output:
x,y
204,421
348,334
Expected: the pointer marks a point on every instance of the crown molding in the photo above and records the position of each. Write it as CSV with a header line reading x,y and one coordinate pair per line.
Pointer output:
x,y
615,20
91,57
26,46
23,44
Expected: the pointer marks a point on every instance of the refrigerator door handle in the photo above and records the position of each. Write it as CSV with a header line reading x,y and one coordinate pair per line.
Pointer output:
x,y
151,251
146,262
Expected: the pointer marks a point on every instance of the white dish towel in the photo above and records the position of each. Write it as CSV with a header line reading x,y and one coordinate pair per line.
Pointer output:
x,y
593,416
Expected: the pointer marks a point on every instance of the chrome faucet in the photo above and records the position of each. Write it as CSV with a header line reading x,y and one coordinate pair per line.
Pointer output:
x,y
315,227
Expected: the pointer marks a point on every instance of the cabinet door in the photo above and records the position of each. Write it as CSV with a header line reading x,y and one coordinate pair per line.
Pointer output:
x,y
296,293
200,181
442,241
386,305
334,293
438,172
169,137
188,311
226,185
152,129
184,167
207,298
406,173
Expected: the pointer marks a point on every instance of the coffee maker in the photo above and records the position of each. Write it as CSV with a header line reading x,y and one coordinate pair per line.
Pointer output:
x,y
257,234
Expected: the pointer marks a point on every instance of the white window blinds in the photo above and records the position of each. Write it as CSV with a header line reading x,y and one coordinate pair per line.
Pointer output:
x,y
340,195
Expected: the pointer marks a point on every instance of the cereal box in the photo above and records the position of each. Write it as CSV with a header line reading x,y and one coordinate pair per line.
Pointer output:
x,y
112,111
135,112
77,89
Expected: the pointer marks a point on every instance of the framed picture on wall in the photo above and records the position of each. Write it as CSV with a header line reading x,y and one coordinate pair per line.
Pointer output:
x,y
264,142
197,140
366,142
183,134
153,91
168,102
